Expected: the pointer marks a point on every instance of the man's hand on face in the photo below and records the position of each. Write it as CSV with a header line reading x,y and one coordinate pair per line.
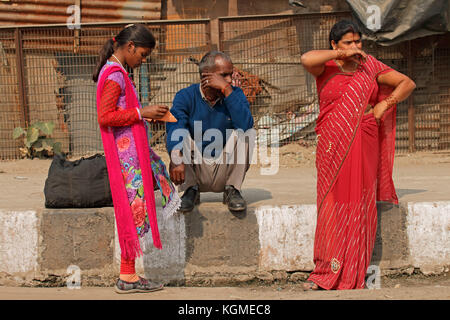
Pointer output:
x,y
213,80
218,82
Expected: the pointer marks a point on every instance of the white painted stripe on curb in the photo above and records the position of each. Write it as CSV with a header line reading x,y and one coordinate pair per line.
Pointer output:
x,y
428,228
18,241
171,260
286,236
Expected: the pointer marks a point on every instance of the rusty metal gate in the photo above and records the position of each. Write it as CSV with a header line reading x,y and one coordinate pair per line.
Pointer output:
x,y
45,75
270,47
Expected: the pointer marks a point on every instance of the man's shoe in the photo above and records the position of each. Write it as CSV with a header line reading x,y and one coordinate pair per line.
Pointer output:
x,y
232,197
190,198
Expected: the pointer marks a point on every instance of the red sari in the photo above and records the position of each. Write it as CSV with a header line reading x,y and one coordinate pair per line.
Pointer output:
x,y
354,163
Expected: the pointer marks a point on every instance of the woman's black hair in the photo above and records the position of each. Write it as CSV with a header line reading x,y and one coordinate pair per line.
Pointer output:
x,y
139,34
341,28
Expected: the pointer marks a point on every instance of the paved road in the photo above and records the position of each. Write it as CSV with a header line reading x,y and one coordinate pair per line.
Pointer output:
x,y
417,178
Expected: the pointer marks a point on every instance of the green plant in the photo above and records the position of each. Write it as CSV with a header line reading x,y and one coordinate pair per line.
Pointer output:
x,y
36,140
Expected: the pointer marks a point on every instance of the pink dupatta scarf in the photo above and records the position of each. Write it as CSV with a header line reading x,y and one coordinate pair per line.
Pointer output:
x,y
128,237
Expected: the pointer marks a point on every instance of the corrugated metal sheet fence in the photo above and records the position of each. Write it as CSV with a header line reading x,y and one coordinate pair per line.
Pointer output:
x,y
45,75
35,12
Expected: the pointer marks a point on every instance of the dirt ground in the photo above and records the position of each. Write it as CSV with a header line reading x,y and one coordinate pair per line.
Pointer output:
x,y
293,155
414,287
302,154
298,155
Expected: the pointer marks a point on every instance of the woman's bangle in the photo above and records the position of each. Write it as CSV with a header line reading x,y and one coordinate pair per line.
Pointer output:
x,y
340,54
391,101
223,90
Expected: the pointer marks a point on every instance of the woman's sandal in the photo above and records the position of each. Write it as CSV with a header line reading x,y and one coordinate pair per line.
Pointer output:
x,y
311,286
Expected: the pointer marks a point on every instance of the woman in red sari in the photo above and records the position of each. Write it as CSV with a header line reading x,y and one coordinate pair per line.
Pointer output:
x,y
355,154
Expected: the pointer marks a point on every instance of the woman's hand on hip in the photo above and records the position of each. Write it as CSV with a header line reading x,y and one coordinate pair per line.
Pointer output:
x,y
379,110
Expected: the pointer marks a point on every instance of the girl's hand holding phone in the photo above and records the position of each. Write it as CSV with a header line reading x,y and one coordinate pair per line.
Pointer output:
x,y
154,112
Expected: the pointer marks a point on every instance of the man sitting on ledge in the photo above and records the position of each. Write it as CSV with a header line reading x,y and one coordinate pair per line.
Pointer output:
x,y
205,154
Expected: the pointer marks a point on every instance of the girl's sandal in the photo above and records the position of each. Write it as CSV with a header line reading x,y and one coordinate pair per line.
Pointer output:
x,y
142,285
310,286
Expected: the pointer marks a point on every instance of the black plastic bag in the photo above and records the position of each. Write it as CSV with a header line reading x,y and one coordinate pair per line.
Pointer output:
x,y
82,183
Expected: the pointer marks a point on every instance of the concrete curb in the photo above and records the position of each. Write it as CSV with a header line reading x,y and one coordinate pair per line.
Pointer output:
x,y
209,246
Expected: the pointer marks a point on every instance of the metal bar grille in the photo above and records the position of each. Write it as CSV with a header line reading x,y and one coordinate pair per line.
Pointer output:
x,y
57,64
11,112
45,75
270,47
